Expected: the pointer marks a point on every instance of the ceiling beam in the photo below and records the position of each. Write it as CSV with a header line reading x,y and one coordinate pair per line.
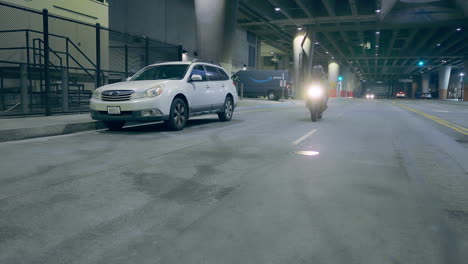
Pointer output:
x,y
406,57
313,24
329,7
245,8
315,21
419,43
352,5
447,48
304,8
275,4
333,42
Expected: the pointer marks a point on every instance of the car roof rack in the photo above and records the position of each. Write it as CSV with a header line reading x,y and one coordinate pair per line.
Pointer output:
x,y
206,61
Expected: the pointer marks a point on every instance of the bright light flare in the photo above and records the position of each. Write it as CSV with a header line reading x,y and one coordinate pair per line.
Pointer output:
x,y
314,92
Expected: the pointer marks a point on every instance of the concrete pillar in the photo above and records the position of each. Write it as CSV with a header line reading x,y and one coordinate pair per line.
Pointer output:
x,y
464,80
259,55
347,81
24,88
444,77
65,90
350,85
285,62
426,78
333,70
414,88
216,22
303,53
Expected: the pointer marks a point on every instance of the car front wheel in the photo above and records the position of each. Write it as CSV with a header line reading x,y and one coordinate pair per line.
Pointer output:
x,y
178,115
226,115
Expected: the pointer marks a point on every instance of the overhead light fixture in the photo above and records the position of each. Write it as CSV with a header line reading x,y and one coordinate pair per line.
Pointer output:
x,y
326,52
333,57
277,9
421,63
377,32
272,52
458,29
462,74
378,10
444,61
438,44
299,28
376,54
376,46
316,43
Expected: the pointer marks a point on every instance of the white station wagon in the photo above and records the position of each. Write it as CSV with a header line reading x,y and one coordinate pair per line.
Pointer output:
x,y
170,92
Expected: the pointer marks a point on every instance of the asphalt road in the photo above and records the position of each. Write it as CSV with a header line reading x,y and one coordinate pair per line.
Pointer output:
x,y
384,184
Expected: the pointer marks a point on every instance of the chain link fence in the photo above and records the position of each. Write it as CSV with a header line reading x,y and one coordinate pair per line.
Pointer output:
x,y
51,64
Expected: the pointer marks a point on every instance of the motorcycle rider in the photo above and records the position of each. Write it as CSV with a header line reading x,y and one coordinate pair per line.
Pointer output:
x,y
319,79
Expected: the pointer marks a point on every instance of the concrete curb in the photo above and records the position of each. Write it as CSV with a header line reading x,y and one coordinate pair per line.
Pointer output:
x,y
75,127
46,131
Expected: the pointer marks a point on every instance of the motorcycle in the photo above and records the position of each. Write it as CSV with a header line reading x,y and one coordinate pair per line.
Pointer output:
x,y
315,102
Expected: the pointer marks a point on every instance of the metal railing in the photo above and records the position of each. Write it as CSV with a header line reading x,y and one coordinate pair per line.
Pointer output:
x,y
50,65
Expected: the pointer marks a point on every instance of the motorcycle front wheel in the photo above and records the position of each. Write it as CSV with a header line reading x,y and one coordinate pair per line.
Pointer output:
x,y
314,113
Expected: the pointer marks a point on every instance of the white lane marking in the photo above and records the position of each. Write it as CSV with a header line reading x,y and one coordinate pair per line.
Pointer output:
x,y
441,111
310,133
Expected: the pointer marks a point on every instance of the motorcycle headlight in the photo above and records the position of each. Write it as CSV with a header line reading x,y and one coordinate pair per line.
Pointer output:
x,y
97,94
151,92
315,91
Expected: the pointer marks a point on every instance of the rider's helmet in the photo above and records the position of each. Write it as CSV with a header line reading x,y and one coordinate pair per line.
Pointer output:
x,y
318,72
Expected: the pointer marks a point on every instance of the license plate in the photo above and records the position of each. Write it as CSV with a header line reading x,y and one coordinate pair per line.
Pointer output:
x,y
113,110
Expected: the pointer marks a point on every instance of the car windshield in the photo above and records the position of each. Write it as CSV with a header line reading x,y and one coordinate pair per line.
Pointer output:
x,y
161,72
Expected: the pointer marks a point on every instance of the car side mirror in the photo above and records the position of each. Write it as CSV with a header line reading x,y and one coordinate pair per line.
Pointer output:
x,y
128,79
196,78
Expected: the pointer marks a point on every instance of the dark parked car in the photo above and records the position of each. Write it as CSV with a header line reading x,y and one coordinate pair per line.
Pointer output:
x,y
257,83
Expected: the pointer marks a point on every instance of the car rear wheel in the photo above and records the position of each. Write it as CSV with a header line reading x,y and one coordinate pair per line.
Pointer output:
x,y
272,96
226,115
114,125
178,115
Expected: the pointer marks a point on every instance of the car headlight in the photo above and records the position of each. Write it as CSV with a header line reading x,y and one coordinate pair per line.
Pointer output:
x,y
315,91
151,92
372,96
97,94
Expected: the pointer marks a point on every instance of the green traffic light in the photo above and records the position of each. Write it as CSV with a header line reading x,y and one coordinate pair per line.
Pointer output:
x,y
340,78
421,63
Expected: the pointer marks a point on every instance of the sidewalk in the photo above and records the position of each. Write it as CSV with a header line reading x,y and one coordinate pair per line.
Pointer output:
x,y
43,126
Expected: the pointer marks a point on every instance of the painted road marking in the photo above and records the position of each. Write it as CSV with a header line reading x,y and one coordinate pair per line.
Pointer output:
x,y
310,133
441,121
441,111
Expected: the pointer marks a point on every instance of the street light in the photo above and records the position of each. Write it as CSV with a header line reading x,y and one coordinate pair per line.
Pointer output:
x,y
421,63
